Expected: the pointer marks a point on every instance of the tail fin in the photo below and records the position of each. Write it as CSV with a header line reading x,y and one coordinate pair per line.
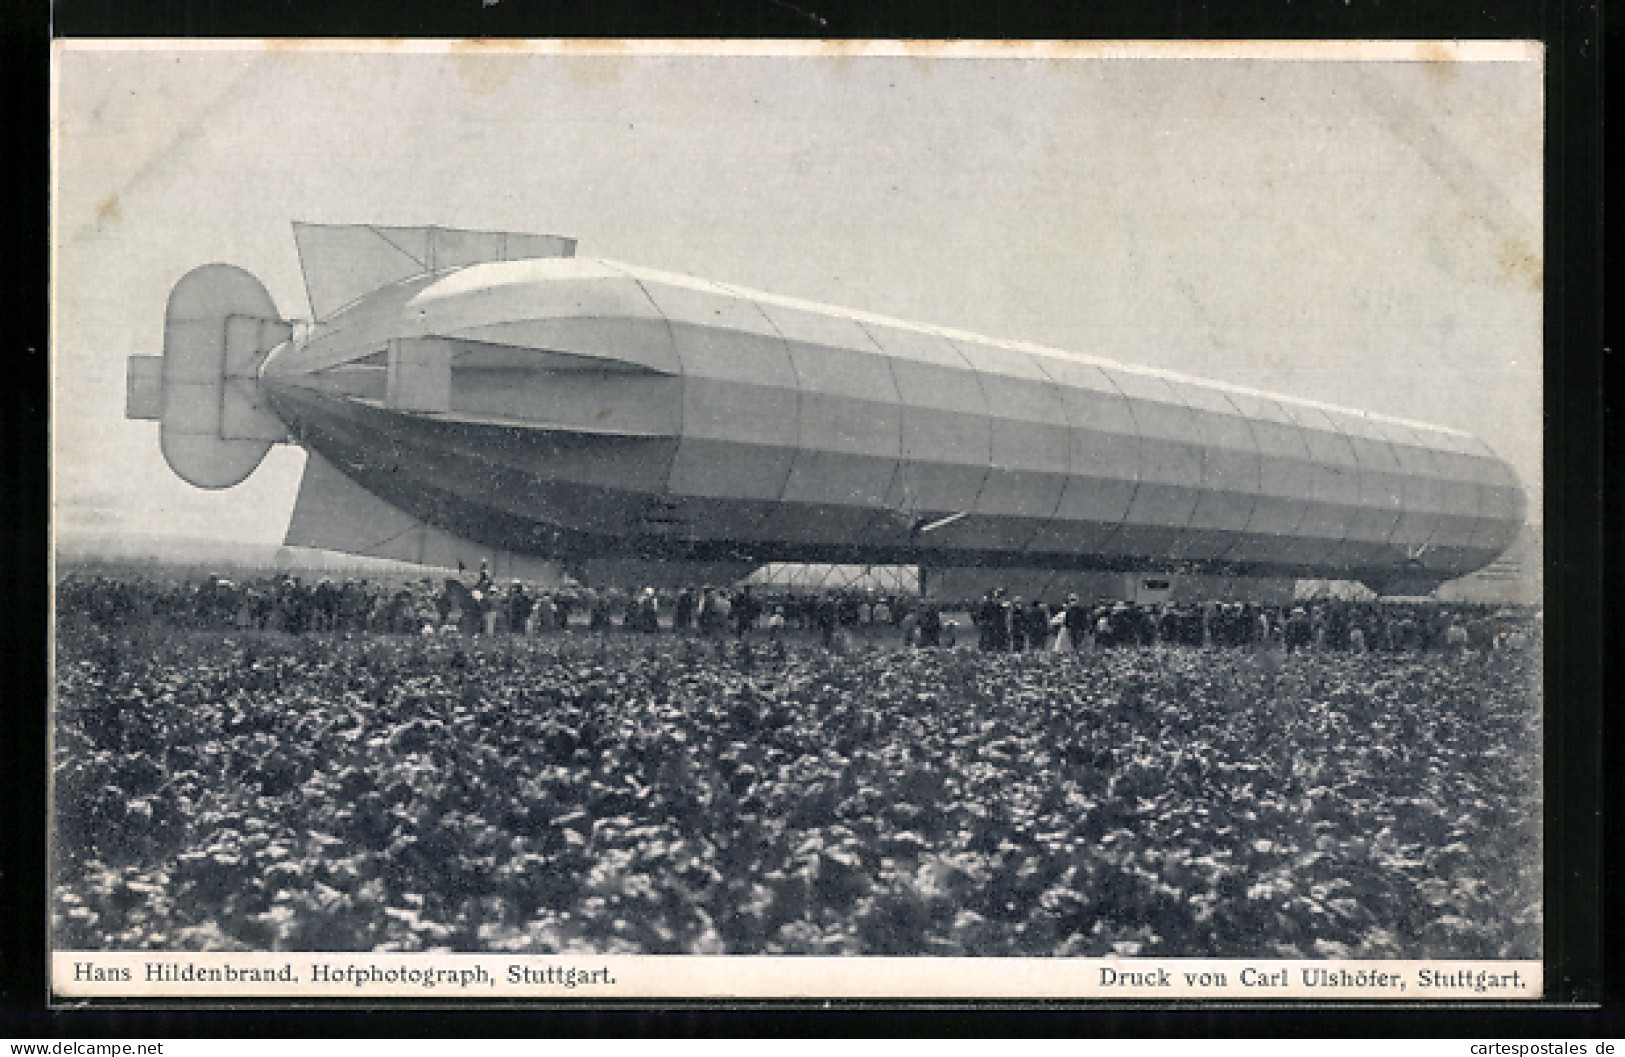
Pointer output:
x,y
218,328
344,262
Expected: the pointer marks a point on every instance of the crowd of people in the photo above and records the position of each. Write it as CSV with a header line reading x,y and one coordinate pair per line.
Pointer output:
x,y
997,622
1006,623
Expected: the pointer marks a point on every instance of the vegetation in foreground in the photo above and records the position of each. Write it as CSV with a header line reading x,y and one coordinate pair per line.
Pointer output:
x,y
662,794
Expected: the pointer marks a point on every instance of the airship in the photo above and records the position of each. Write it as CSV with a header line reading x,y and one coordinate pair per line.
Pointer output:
x,y
494,390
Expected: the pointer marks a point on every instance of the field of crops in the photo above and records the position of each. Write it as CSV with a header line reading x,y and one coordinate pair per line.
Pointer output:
x,y
654,794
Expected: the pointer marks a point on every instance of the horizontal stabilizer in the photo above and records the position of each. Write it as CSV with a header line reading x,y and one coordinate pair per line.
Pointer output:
x,y
334,513
343,262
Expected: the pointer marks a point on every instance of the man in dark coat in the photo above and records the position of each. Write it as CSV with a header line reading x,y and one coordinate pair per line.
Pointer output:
x,y
930,626
1002,637
985,616
1077,621
746,609
683,610
828,616
1036,618
519,607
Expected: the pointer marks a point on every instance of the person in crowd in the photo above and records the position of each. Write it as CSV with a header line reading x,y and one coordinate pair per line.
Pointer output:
x,y
284,604
564,603
597,604
930,626
828,617
648,606
721,608
517,609
545,616
1002,638
1035,619
682,613
1015,622
746,610
909,629
1076,616
1298,632
983,616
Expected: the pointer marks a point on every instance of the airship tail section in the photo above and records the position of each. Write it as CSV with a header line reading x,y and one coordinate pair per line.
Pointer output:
x,y
218,329
333,513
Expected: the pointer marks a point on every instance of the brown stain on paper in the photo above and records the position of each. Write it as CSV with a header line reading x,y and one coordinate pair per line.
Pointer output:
x,y
594,63
1439,60
1518,265
486,65
109,208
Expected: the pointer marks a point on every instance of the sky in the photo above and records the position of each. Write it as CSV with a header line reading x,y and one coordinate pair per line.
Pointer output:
x,y
1365,233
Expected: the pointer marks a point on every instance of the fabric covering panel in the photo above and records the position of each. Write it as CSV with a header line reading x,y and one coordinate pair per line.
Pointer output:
x,y
1104,458
414,242
342,263
1170,467
144,388
455,248
1335,483
363,329
196,397
1463,501
581,306
458,249
1502,503
849,435
1285,485
1230,473
947,438
739,397
1031,443
1428,494
604,343
628,404
623,464
1382,492
1470,466
494,467
851,431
